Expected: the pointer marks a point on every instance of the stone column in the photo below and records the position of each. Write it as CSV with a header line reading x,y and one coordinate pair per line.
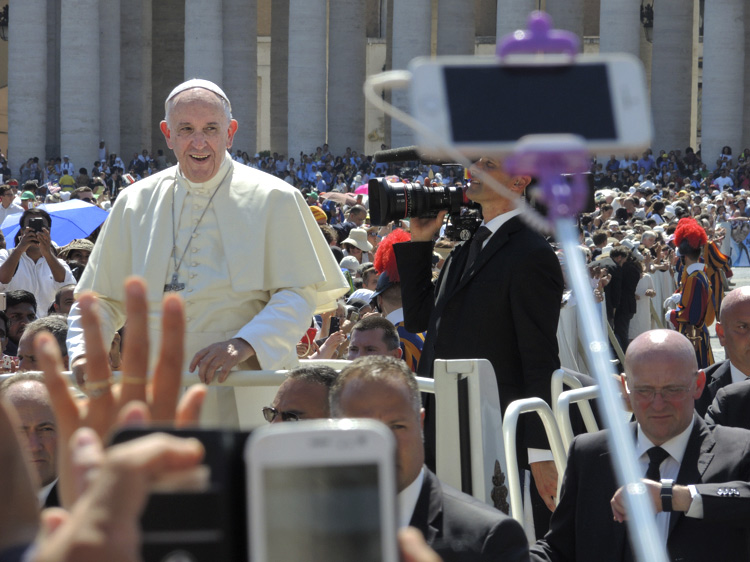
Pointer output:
x,y
307,76
136,124
620,27
280,77
346,74
513,15
27,82
485,17
167,64
567,14
52,78
412,25
241,68
204,40
746,103
723,78
109,74
671,74
455,27
79,81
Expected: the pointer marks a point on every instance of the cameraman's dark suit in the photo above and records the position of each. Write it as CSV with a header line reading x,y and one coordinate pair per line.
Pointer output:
x,y
505,310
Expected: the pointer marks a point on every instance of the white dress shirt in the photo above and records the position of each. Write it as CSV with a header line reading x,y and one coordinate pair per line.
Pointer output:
x,y
669,469
407,500
11,210
36,277
737,375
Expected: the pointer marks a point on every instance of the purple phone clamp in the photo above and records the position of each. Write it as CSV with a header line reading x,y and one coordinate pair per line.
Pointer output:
x,y
539,38
548,157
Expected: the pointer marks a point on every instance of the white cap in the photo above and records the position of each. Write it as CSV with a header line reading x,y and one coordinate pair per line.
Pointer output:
x,y
197,83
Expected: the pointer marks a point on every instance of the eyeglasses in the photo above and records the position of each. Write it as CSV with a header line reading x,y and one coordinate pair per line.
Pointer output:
x,y
270,414
89,200
647,393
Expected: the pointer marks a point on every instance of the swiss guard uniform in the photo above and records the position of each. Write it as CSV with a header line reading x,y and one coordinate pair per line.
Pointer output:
x,y
716,263
695,312
695,308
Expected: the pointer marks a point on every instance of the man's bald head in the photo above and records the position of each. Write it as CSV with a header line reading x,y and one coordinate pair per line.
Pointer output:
x,y
733,329
663,382
666,344
733,299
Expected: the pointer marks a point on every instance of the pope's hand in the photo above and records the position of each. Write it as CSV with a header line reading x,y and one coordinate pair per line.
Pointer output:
x,y
220,358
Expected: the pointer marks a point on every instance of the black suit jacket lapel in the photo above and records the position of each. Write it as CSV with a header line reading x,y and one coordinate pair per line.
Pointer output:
x,y
620,537
698,455
495,243
428,512
452,275
721,377
52,498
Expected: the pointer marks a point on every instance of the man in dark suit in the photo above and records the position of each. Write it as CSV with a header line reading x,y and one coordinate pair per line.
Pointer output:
x,y
458,527
731,406
733,330
703,514
630,272
28,395
504,307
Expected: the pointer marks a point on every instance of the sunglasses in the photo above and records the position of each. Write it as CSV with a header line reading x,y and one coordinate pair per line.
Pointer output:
x,y
89,200
270,415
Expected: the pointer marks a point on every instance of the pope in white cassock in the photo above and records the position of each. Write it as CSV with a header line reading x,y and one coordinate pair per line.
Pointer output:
x,y
240,246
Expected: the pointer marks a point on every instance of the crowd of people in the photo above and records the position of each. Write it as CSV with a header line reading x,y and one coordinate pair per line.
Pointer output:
x,y
238,262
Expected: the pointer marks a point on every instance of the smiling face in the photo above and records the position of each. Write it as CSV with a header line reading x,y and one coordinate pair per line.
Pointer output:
x,y
199,132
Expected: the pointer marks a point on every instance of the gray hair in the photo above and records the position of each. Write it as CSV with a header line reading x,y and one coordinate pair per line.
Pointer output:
x,y
320,374
33,376
55,324
376,368
170,103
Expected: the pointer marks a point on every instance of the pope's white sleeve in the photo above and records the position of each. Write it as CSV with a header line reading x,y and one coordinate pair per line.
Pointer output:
x,y
111,318
275,331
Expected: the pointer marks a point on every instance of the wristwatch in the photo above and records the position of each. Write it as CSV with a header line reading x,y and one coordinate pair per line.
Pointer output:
x,y
666,494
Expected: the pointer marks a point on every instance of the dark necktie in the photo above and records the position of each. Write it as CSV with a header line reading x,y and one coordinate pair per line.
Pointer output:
x,y
476,245
656,456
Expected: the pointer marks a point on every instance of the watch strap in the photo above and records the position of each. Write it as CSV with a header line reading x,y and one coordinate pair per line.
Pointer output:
x,y
666,494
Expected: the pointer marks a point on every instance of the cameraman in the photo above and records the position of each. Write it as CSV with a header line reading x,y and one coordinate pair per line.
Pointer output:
x,y
503,307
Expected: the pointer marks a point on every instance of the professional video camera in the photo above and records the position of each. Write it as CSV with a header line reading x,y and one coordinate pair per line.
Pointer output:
x,y
395,201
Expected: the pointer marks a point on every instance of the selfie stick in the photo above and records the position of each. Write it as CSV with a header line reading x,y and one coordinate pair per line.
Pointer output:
x,y
547,157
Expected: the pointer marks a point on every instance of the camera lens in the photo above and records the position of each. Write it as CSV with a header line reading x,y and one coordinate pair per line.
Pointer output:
x,y
391,202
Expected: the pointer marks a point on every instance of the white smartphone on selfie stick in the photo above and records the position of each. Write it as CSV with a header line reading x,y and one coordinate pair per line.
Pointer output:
x,y
322,490
481,107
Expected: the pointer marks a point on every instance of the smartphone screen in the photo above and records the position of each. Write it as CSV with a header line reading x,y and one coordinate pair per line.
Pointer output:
x,y
329,513
503,103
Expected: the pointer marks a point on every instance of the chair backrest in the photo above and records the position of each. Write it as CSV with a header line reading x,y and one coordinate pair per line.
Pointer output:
x,y
510,425
469,450
581,396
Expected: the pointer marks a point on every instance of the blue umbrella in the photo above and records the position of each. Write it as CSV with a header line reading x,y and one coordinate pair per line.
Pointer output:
x,y
70,220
